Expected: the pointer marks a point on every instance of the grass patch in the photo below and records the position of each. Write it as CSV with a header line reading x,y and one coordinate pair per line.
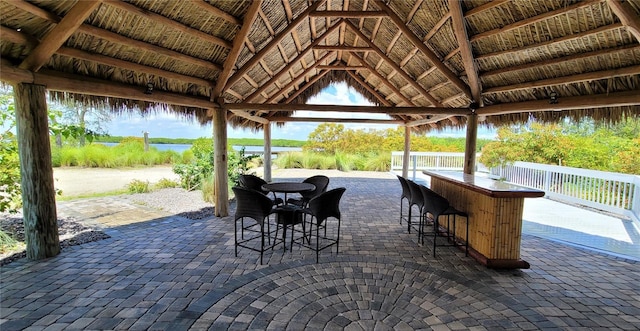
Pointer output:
x,y
8,244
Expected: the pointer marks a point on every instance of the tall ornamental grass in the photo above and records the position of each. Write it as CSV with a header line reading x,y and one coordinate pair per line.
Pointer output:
x,y
340,161
128,153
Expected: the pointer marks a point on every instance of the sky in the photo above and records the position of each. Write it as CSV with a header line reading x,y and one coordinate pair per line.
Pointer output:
x,y
169,126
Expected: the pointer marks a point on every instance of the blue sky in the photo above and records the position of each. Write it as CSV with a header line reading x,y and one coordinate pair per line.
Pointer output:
x,y
169,126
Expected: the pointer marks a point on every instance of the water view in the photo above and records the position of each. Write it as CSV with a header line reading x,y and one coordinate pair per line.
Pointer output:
x,y
248,149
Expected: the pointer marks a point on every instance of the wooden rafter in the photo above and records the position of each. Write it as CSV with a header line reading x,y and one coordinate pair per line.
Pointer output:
x,y
306,86
295,79
118,39
348,109
249,116
333,120
370,89
485,7
424,49
431,120
395,66
340,67
627,16
238,41
273,43
618,99
470,67
560,60
580,78
59,34
534,19
169,22
286,68
216,12
342,48
64,82
347,14
126,65
374,72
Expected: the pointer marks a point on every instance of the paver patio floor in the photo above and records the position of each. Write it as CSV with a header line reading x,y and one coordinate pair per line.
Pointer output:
x,y
172,273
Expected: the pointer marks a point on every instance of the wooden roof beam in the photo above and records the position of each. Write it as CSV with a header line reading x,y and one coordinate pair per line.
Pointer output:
x,y
349,109
295,79
402,73
371,90
306,86
552,42
65,82
116,38
627,16
273,43
383,79
559,60
249,116
534,19
485,7
342,48
618,99
572,79
217,12
348,14
59,34
431,120
340,67
286,68
470,67
238,42
424,49
169,22
333,120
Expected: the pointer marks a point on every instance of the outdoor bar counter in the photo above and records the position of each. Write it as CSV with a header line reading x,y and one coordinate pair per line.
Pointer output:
x,y
495,215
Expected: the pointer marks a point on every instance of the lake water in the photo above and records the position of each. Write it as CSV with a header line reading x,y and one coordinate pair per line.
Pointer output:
x,y
248,149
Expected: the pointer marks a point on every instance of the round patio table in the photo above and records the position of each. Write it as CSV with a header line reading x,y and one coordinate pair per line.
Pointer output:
x,y
288,187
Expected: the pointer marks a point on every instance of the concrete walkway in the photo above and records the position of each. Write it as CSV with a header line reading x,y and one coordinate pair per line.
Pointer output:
x,y
172,273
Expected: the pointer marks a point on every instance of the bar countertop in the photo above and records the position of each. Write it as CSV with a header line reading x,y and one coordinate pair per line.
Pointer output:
x,y
486,186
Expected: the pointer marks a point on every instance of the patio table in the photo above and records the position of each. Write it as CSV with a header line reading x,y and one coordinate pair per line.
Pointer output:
x,y
495,215
288,187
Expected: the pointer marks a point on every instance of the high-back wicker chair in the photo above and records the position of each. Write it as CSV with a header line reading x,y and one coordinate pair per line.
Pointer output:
x,y
258,207
255,183
406,195
322,208
320,181
416,200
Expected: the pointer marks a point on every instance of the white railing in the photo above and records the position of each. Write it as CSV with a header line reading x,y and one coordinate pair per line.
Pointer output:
x,y
419,161
609,191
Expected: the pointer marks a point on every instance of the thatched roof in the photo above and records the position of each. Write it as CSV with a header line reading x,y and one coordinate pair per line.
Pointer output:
x,y
505,58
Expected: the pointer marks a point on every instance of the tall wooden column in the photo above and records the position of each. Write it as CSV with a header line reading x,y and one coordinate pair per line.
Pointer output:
x,y
471,143
267,151
407,150
38,194
220,162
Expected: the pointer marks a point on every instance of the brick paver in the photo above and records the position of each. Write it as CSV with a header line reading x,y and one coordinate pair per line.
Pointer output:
x,y
160,271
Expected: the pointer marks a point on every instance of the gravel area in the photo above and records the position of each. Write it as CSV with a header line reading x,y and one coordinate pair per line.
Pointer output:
x,y
188,204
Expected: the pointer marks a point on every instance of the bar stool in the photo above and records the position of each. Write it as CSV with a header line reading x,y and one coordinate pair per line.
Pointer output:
x,y
437,206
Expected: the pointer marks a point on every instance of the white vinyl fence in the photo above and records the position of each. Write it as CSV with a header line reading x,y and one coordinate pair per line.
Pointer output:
x,y
608,191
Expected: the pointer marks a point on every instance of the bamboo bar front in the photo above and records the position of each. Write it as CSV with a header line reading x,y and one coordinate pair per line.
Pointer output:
x,y
495,215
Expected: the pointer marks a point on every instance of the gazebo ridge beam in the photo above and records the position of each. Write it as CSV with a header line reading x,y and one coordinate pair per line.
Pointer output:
x,y
347,14
334,120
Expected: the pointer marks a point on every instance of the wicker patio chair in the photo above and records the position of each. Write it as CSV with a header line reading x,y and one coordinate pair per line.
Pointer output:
x,y
437,206
406,195
416,200
255,183
321,182
257,207
321,209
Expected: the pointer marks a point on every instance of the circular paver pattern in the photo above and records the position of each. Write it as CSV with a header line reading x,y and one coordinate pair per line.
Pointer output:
x,y
356,293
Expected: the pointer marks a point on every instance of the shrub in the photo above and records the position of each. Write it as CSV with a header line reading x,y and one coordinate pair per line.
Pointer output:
x,y
7,243
138,186
208,189
166,183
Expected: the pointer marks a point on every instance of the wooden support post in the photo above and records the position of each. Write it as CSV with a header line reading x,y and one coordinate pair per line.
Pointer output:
x,y
220,163
267,152
407,150
38,194
471,143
